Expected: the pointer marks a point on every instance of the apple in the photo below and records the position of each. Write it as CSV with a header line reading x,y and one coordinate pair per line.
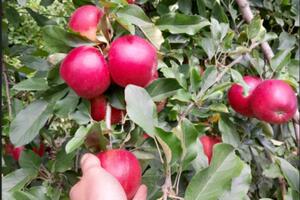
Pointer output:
x,y
85,19
125,167
39,150
85,70
208,143
274,101
238,101
132,60
15,152
98,110
131,1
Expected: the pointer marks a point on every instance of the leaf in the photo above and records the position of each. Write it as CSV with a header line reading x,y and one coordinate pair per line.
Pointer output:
x,y
66,105
32,84
171,145
179,23
46,2
28,122
35,63
228,130
195,79
209,46
63,161
286,41
210,183
239,185
133,14
17,180
163,88
30,160
290,173
41,20
191,142
208,79
238,78
59,40
140,108
218,107
281,59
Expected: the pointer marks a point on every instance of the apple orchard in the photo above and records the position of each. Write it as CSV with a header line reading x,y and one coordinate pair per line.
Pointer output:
x,y
196,99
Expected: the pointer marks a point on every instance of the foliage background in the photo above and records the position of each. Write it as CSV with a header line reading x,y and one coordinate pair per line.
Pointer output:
x,y
260,159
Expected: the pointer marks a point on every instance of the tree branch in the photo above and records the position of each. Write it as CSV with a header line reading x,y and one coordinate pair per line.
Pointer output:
x,y
9,104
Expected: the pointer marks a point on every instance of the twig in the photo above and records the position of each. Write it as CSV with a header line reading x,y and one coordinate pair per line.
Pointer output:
x,y
108,123
167,186
9,104
282,184
157,146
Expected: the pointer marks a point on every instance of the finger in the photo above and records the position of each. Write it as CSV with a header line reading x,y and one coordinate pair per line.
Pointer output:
x,y
75,192
89,161
141,194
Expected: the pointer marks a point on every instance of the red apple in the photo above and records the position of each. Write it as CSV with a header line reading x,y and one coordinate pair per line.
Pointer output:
x,y
154,77
125,167
131,1
85,70
39,150
98,110
15,152
208,143
238,101
274,101
85,20
132,60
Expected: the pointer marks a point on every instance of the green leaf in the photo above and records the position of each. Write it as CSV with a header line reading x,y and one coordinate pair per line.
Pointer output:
x,y
208,79
281,59
28,122
191,142
239,185
63,161
195,78
66,105
238,78
46,2
218,107
170,144
30,160
290,173
179,23
59,40
163,88
35,63
17,180
209,46
41,20
210,183
140,108
133,14
286,41
228,130
80,136
32,84
255,30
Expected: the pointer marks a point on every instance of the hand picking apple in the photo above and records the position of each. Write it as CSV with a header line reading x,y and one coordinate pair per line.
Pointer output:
x,y
97,183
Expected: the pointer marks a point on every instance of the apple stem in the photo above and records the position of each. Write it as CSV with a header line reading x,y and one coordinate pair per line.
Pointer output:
x,y
108,124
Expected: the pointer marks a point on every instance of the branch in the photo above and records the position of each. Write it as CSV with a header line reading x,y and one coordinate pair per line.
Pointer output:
x,y
9,104
248,16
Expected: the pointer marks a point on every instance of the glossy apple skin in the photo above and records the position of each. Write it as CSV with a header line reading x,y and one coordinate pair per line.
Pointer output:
x,y
274,101
239,102
132,60
85,70
15,152
208,143
85,20
131,1
124,166
98,110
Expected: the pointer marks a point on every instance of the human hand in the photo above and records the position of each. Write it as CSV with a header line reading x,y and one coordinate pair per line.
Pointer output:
x,y
98,184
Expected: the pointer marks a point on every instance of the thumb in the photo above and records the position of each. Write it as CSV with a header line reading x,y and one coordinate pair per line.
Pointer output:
x,y
141,194
89,161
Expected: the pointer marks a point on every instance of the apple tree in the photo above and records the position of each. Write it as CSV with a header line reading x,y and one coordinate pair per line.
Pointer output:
x,y
202,95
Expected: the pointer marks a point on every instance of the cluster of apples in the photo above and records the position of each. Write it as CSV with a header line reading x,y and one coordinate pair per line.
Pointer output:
x,y
272,101
130,60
